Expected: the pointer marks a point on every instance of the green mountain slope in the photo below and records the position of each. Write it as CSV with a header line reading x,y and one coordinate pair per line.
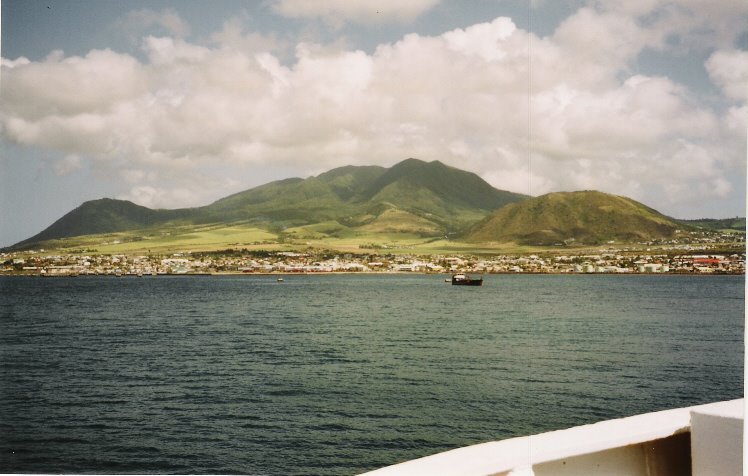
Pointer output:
x,y
355,196
105,215
452,187
448,197
427,199
283,203
348,181
583,217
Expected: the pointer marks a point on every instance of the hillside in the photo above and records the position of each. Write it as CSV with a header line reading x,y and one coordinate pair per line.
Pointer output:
x,y
718,224
105,215
451,187
412,197
279,204
446,197
587,217
449,197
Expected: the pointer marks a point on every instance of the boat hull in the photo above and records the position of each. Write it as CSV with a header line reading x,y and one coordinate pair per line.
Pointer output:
x,y
467,282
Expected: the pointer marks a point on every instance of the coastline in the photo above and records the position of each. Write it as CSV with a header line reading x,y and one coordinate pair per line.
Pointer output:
x,y
703,262
368,273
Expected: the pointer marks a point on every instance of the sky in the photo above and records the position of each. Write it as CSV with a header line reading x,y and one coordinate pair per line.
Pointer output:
x,y
179,103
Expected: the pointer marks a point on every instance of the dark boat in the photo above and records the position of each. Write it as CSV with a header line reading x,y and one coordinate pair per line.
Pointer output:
x,y
465,280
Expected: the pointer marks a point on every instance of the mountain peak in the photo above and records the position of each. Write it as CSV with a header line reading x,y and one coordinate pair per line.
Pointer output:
x,y
454,187
103,215
412,163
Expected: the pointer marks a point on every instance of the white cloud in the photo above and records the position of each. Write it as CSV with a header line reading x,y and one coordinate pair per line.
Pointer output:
x,y
336,12
562,112
681,24
155,197
729,71
599,44
6,63
163,50
734,124
705,24
483,40
73,85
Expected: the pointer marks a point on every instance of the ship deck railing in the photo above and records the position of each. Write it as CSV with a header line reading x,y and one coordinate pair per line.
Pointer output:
x,y
699,440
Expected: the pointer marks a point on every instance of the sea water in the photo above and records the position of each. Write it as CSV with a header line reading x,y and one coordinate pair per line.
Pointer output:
x,y
338,374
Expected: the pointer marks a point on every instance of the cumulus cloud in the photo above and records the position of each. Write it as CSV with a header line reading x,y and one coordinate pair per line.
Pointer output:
x,y
729,71
7,63
336,12
482,40
154,197
529,114
70,85
684,24
705,24
602,42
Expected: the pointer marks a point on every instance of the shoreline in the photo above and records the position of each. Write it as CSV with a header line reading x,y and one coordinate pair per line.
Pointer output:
x,y
367,273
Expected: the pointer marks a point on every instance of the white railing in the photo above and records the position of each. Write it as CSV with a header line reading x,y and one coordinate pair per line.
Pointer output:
x,y
701,440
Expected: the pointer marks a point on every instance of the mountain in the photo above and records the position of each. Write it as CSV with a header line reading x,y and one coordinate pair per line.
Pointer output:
x,y
413,196
436,192
449,187
105,215
446,197
587,217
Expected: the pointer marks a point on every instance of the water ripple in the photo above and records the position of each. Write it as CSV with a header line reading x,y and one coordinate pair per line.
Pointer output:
x,y
340,374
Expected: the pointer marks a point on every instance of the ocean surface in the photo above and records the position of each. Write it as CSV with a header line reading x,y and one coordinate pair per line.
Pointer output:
x,y
338,374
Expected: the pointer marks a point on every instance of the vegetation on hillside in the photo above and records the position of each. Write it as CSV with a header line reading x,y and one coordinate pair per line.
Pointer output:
x,y
104,216
412,197
587,217
724,224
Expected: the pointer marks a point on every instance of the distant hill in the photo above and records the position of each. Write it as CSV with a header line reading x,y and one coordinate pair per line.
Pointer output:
x,y
413,196
105,215
717,224
587,217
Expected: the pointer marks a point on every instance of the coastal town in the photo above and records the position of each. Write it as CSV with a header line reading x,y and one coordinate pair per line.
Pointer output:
x,y
243,261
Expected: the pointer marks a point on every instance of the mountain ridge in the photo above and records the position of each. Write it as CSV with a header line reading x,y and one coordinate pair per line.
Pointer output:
x,y
411,198
440,198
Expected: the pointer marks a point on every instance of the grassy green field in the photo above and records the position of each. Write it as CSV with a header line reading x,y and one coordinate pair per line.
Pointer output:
x,y
165,240
327,236
199,238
